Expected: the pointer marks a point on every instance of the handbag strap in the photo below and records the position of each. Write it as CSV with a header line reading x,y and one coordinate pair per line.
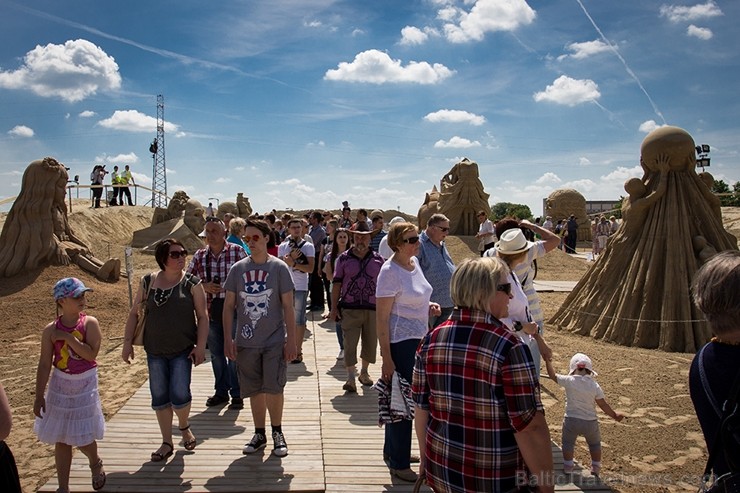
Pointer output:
x,y
729,407
148,286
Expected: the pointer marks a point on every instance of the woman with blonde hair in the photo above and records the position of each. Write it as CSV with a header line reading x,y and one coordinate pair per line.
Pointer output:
x,y
479,418
401,316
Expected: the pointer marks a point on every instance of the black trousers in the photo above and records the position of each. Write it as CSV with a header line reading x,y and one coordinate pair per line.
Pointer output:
x,y
316,286
124,191
97,194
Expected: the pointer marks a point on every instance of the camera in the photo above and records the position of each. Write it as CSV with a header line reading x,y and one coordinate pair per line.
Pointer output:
x,y
217,279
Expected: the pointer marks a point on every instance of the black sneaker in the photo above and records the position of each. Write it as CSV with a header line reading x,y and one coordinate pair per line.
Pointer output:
x,y
236,403
281,448
258,442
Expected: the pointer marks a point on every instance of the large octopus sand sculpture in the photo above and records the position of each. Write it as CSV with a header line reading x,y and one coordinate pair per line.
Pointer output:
x,y
637,293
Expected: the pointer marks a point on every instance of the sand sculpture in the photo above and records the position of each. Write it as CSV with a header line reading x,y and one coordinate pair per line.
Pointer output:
x,y
638,291
37,230
460,197
242,203
565,201
227,207
184,219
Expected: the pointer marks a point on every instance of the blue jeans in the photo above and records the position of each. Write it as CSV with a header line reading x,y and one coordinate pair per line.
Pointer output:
x,y
224,371
397,444
340,334
169,380
434,321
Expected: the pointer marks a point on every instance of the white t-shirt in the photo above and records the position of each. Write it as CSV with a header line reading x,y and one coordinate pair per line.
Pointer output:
x,y
384,250
411,293
300,278
581,392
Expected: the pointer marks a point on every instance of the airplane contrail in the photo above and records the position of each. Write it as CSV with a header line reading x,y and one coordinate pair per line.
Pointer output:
x,y
184,59
624,62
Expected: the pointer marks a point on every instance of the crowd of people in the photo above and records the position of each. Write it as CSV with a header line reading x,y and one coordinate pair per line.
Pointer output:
x,y
462,343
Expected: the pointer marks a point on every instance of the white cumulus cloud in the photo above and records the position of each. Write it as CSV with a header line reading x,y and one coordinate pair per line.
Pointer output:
x,y
648,126
585,49
455,116
376,67
584,161
411,35
568,91
456,143
699,32
21,131
134,121
548,177
87,114
71,71
485,16
683,13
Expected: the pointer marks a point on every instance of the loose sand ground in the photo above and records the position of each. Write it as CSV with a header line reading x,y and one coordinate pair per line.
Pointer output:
x,y
659,446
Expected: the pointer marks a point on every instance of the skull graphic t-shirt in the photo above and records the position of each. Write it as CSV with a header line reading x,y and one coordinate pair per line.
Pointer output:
x,y
259,308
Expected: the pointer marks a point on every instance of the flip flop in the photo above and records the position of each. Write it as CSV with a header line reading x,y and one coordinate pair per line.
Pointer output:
x,y
159,457
189,444
98,480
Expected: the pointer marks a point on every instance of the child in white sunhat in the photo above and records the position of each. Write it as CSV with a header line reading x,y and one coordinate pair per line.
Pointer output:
x,y
582,394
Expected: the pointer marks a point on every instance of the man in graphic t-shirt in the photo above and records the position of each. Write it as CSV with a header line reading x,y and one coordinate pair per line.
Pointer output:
x,y
260,287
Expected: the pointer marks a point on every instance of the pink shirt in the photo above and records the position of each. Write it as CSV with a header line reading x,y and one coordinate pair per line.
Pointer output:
x,y
65,359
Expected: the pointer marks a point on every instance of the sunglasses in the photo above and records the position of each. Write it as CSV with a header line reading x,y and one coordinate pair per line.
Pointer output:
x,y
252,238
504,288
213,219
411,240
176,254
444,230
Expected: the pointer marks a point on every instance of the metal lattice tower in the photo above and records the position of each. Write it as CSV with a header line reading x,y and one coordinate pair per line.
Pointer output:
x,y
159,168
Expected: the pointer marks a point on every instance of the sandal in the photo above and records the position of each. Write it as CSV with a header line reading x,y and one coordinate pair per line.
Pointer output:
x,y
189,444
98,480
158,456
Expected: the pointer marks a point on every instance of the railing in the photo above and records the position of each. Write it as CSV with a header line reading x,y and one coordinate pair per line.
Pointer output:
x,y
105,188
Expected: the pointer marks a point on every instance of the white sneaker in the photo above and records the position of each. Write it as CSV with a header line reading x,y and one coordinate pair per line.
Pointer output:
x,y
341,354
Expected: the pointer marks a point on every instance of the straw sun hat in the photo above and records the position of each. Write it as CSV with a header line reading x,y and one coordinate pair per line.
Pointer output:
x,y
512,242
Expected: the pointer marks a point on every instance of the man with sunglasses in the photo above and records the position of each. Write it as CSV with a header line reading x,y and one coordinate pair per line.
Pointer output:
x,y
437,265
260,287
212,265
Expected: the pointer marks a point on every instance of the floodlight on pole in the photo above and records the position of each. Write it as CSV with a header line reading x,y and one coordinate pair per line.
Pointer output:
x,y
702,157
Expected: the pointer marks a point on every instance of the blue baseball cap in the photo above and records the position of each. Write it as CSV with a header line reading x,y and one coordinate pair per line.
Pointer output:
x,y
69,287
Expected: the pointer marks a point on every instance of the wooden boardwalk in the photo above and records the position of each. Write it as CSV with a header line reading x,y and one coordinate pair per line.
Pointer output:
x,y
334,441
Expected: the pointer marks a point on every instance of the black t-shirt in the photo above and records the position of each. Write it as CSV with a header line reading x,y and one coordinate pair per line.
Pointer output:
x,y
720,365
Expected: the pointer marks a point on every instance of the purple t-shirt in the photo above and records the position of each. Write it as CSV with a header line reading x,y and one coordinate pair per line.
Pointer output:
x,y
358,277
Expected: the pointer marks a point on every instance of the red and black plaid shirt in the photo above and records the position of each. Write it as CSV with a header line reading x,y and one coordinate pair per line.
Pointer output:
x,y
477,381
219,265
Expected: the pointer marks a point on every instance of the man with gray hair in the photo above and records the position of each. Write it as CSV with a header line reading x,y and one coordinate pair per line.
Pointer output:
x,y
437,265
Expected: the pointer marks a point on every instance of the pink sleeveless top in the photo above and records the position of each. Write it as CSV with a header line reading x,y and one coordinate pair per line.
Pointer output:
x,y
65,359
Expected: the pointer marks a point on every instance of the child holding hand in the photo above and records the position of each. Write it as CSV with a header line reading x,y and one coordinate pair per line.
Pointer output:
x,y
582,394
69,413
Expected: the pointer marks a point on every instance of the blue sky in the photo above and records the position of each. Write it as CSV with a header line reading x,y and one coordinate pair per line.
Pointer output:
x,y
306,103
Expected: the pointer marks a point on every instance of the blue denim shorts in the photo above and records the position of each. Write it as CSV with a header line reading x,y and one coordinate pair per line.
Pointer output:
x,y
299,306
169,380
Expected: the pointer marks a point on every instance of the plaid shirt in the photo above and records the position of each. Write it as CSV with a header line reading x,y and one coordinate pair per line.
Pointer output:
x,y
478,383
219,265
